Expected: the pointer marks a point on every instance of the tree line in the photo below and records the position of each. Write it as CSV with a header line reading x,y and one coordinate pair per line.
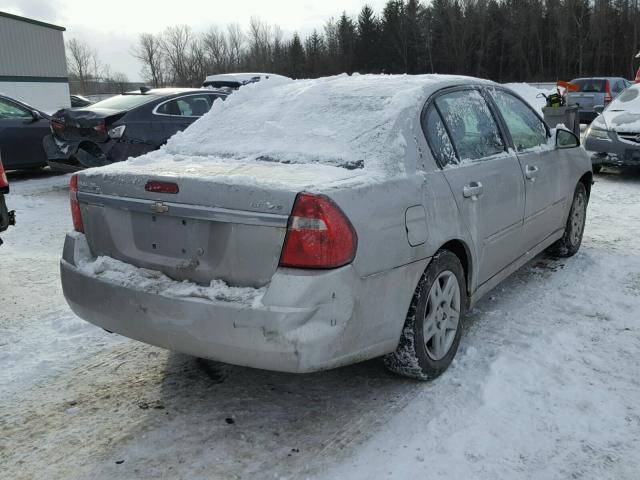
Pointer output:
x,y
504,40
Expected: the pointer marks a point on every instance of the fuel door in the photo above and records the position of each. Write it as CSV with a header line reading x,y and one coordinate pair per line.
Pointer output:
x,y
416,224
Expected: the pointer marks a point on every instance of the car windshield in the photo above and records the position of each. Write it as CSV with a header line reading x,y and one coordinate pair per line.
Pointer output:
x,y
591,85
124,102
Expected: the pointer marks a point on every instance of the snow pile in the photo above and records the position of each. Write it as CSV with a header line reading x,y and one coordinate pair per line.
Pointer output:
x,y
353,122
151,281
532,95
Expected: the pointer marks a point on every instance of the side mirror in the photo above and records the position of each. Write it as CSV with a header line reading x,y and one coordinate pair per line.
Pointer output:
x,y
598,109
566,139
36,115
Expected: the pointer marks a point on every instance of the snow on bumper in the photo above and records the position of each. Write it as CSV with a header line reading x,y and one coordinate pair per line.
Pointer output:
x,y
297,326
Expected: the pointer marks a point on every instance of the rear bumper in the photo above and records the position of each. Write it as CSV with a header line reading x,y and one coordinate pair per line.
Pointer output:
x,y
303,324
77,155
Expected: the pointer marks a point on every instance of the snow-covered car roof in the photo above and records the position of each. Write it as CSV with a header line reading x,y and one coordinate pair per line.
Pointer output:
x,y
241,78
357,121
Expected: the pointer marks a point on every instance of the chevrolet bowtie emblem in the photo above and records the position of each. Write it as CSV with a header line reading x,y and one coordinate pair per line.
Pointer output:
x,y
159,207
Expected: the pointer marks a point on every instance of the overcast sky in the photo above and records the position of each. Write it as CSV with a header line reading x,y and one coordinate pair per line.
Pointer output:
x,y
112,26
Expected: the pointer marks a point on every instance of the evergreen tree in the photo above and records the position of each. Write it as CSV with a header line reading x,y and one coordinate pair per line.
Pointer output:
x,y
367,57
296,57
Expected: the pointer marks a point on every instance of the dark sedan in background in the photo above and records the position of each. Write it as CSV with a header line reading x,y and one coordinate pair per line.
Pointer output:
x,y
123,126
22,128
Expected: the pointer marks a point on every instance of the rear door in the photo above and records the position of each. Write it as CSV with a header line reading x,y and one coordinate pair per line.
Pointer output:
x,y
545,174
485,178
21,136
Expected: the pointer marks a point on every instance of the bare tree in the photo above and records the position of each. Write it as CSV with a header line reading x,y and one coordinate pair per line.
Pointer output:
x,y
235,39
176,43
80,61
149,52
121,81
216,50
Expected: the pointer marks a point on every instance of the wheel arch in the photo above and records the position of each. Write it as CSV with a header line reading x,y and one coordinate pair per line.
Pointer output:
x,y
587,181
461,250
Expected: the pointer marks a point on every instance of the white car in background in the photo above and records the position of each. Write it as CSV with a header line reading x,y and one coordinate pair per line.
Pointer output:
x,y
614,135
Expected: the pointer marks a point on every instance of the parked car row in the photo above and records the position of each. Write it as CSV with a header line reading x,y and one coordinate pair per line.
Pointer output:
x,y
337,220
91,134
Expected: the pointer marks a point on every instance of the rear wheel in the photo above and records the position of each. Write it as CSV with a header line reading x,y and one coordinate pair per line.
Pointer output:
x,y
570,242
433,326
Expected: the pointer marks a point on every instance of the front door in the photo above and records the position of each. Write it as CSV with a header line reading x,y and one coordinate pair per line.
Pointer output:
x,y
544,171
485,178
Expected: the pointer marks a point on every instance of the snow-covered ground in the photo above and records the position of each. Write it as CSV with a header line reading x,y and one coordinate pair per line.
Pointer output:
x,y
546,384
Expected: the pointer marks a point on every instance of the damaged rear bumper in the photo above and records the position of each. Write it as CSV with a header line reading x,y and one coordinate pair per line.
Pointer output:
x,y
299,326
69,156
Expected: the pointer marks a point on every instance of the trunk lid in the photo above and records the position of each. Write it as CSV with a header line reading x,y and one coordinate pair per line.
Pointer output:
x,y
88,123
228,224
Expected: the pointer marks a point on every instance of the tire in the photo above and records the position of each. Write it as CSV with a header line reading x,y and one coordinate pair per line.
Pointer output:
x,y
596,168
425,360
570,242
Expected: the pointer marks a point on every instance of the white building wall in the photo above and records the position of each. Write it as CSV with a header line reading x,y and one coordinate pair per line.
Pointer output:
x,y
33,67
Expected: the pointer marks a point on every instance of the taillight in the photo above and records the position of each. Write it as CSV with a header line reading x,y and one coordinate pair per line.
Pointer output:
x,y
101,128
607,92
56,127
161,187
319,235
4,181
76,214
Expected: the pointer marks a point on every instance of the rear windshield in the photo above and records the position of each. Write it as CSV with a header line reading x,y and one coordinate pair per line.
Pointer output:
x,y
593,85
123,102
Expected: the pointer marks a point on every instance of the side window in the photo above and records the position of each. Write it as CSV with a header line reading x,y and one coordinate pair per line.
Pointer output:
x,y
526,128
191,106
438,138
11,110
473,129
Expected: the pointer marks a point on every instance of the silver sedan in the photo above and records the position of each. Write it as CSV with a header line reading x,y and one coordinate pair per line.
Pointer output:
x,y
304,225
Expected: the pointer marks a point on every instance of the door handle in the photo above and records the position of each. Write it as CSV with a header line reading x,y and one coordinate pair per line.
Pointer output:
x,y
530,172
472,190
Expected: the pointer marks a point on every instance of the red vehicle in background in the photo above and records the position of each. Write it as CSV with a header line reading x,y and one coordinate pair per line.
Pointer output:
x,y
7,217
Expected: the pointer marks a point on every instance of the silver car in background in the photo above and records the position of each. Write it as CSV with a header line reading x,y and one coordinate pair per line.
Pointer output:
x,y
614,136
332,221
593,92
